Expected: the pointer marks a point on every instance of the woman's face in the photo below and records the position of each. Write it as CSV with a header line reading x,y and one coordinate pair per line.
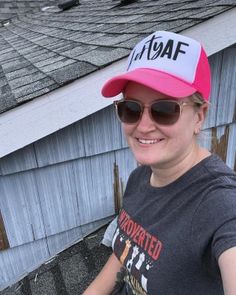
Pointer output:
x,y
157,145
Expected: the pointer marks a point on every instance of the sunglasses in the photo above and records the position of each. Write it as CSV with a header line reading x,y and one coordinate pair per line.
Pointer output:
x,y
163,112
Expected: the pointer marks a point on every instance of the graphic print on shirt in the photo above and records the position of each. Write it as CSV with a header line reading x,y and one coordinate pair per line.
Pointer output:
x,y
137,250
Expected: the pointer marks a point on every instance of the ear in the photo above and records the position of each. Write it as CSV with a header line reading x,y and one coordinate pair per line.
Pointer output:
x,y
200,117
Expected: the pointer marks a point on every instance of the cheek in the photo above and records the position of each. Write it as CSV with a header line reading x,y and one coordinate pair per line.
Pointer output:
x,y
186,132
188,123
181,133
128,129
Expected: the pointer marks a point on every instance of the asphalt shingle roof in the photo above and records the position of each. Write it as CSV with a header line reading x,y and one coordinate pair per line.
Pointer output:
x,y
10,9
41,51
68,273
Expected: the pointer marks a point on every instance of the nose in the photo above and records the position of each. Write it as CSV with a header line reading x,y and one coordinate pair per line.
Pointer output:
x,y
146,124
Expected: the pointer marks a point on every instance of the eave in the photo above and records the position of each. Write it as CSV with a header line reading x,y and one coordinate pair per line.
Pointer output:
x,y
49,113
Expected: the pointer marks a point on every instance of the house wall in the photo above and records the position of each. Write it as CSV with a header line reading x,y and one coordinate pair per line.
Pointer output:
x,y
58,189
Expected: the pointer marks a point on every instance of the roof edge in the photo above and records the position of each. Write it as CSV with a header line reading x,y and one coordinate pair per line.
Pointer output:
x,y
49,113
216,33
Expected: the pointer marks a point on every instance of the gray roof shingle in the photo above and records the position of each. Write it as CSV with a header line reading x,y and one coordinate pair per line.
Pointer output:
x,y
10,9
41,51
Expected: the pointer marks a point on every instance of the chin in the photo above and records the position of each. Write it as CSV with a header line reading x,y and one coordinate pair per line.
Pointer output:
x,y
154,163
145,161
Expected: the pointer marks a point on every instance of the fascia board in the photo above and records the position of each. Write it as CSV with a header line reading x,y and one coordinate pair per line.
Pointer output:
x,y
216,33
49,113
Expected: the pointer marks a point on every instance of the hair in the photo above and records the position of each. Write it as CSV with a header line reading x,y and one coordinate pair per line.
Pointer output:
x,y
197,99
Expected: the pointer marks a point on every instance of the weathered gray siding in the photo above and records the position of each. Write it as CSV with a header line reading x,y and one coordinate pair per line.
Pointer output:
x,y
57,188
231,147
60,188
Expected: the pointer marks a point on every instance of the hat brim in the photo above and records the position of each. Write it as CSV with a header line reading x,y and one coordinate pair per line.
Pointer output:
x,y
156,80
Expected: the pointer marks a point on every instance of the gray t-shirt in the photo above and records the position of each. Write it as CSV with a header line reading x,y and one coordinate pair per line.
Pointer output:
x,y
170,238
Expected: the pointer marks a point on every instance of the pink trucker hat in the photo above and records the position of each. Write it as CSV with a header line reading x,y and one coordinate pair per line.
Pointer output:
x,y
170,63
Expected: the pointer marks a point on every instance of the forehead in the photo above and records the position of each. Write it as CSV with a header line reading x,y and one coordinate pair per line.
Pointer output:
x,y
142,93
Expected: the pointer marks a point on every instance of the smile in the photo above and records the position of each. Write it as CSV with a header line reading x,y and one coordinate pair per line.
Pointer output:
x,y
148,141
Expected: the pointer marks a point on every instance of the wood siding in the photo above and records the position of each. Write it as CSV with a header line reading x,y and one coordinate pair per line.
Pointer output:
x,y
4,244
56,190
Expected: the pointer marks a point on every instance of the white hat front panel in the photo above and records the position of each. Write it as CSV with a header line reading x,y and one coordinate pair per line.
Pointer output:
x,y
168,52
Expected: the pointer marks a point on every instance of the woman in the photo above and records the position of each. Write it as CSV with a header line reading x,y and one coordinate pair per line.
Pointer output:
x,y
176,232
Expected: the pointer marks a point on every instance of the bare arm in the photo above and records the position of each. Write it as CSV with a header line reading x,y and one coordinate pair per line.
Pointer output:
x,y
227,264
105,281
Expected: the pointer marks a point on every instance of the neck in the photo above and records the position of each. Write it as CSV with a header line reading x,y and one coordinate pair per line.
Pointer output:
x,y
162,176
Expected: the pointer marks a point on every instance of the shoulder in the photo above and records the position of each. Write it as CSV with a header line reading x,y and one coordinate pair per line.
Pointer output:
x,y
138,178
214,218
142,172
218,170
218,194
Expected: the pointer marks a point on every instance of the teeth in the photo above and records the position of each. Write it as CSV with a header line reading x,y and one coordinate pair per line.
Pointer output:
x,y
148,141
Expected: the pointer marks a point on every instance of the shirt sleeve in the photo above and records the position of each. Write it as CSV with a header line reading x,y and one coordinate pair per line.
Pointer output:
x,y
214,225
224,237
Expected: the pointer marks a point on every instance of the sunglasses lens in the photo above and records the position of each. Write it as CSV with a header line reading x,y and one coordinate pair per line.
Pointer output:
x,y
129,111
165,112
